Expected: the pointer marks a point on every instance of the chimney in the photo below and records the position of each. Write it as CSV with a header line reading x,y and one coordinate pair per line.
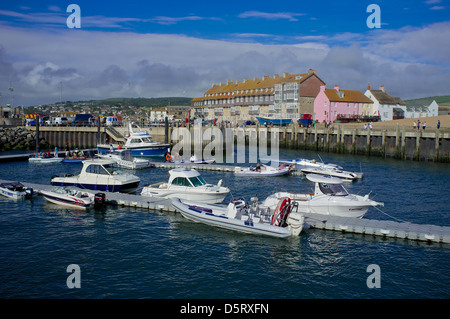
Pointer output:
x,y
322,88
265,77
285,74
368,86
336,87
382,88
275,76
229,82
311,71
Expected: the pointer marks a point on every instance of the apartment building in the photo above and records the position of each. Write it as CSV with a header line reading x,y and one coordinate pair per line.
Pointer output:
x,y
285,96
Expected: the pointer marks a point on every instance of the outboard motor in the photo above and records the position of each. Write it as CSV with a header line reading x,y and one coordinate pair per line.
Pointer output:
x,y
29,193
99,200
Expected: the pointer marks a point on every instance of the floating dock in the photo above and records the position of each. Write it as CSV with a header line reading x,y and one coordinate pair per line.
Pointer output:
x,y
383,228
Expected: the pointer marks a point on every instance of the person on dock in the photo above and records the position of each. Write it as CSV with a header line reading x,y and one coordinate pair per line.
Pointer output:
x,y
56,151
418,125
424,125
111,148
414,125
438,124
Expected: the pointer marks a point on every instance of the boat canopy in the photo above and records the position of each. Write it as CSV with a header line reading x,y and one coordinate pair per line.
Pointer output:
x,y
186,177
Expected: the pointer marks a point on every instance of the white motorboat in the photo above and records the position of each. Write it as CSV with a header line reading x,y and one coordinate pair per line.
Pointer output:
x,y
300,163
15,190
261,170
125,159
329,198
334,172
284,221
69,197
44,160
187,184
140,143
192,160
100,174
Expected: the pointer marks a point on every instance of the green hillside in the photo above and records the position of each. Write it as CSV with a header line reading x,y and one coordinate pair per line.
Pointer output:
x,y
443,100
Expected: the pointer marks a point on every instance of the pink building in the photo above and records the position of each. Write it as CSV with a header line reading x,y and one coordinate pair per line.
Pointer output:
x,y
330,103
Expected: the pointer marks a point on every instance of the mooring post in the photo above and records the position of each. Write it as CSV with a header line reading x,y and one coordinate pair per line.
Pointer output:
x,y
37,134
166,130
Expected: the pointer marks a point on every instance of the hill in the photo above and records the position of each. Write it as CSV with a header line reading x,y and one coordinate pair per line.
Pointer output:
x,y
443,100
141,102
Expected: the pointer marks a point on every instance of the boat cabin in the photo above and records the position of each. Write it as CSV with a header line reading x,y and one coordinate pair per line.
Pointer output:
x,y
186,177
103,167
327,185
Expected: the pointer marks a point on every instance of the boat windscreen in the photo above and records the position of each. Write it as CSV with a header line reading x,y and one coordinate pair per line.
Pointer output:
x,y
333,189
197,181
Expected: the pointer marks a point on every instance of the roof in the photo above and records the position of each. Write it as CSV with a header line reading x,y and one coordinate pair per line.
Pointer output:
x,y
351,96
183,172
316,178
386,98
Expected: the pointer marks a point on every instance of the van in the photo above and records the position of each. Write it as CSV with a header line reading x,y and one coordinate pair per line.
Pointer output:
x,y
83,120
60,121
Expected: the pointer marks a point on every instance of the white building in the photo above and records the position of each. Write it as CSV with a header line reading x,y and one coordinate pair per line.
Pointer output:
x,y
416,110
385,105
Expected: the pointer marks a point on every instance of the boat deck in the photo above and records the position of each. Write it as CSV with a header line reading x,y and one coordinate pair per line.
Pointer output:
x,y
372,227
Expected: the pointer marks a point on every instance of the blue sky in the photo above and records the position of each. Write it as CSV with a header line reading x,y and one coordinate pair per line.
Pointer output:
x,y
154,48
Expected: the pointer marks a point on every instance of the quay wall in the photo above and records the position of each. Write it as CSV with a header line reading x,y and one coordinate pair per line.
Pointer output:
x,y
393,142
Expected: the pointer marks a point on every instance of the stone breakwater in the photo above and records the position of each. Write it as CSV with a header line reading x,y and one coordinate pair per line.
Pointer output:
x,y
19,139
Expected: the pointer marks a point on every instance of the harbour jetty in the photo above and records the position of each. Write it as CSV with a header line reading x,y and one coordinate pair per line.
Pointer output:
x,y
367,227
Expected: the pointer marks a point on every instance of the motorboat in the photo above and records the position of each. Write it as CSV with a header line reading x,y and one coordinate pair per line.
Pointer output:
x,y
15,190
192,160
187,184
329,198
274,121
100,174
44,159
74,159
334,172
140,142
300,163
261,170
125,159
283,221
69,197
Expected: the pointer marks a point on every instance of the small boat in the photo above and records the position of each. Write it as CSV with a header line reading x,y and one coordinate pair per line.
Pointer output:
x,y
69,197
187,184
329,198
305,120
334,172
192,160
300,163
262,170
15,190
44,159
99,174
282,222
125,159
140,143
274,121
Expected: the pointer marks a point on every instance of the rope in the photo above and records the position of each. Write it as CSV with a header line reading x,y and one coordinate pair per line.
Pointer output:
x,y
389,215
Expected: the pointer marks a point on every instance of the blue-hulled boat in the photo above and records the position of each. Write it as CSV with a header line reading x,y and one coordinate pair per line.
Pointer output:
x,y
274,121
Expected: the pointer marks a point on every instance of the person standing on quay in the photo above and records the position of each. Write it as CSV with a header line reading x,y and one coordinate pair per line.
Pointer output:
x,y
424,125
438,124
418,125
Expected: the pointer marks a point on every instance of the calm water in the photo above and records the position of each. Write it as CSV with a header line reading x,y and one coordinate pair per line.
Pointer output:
x,y
135,253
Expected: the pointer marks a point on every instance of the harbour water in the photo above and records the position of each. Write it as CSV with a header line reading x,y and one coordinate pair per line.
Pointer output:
x,y
128,252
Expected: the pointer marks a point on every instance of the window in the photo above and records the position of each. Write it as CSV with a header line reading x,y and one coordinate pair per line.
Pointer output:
x,y
181,181
197,181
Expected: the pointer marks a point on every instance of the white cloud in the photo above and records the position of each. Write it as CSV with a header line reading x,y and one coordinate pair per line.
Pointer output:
x,y
410,62
290,16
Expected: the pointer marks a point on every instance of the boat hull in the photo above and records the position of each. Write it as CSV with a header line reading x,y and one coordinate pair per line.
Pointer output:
x,y
157,150
277,122
41,160
12,194
343,175
122,188
247,172
204,197
234,224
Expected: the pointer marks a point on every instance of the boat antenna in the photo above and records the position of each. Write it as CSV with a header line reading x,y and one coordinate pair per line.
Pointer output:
x,y
320,158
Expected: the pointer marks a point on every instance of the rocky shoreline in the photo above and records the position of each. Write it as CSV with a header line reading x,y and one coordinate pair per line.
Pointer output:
x,y
19,139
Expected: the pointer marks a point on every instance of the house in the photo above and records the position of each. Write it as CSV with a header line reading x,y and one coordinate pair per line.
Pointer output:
x,y
284,96
331,104
416,109
385,105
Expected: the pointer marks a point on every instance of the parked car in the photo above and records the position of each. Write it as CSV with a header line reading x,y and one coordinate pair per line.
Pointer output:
x,y
113,121
60,121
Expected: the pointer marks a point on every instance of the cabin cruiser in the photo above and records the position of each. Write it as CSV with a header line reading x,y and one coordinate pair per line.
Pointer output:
x,y
334,172
140,143
125,159
300,163
187,184
283,222
45,158
329,198
15,190
261,170
100,174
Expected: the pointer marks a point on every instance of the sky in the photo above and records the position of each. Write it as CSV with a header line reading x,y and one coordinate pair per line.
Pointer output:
x,y
181,48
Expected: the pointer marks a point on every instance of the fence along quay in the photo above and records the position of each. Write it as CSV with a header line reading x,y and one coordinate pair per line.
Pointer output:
x,y
370,227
